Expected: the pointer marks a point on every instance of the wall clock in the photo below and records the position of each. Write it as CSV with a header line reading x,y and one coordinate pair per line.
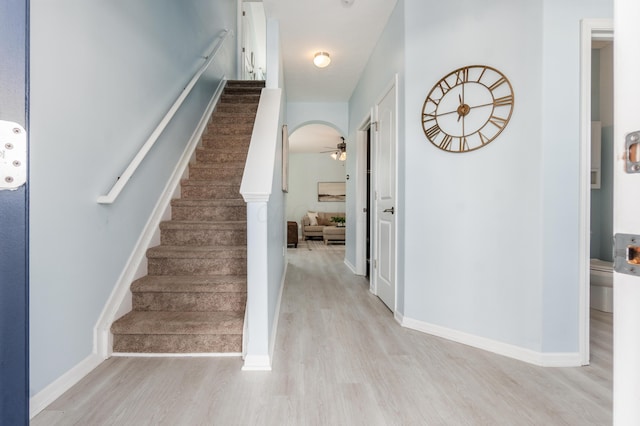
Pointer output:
x,y
467,108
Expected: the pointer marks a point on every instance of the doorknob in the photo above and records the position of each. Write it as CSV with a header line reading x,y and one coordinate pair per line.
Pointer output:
x,y
391,210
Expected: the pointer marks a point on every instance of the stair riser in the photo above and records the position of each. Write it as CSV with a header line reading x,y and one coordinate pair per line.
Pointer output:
x,y
169,266
242,90
246,83
231,119
230,129
213,156
223,174
236,150
201,237
237,108
189,302
209,213
240,99
225,141
210,192
177,343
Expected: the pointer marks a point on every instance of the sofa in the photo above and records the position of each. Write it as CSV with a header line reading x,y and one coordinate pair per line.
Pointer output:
x,y
323,219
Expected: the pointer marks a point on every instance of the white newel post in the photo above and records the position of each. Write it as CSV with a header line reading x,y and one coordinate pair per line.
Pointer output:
x,y
257,339
256,189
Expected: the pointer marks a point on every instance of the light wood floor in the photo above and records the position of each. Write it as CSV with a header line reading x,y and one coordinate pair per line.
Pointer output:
x,y
341,359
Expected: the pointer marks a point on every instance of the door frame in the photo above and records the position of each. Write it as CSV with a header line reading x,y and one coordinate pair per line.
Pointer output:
x,y
373,284
369,122
590,30
361,196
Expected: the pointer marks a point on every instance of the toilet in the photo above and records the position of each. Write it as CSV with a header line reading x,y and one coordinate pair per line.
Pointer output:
x,y
601,285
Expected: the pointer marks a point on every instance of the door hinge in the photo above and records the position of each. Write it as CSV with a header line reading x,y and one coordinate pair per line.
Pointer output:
x,y
375,263
244,13
13,155
375,126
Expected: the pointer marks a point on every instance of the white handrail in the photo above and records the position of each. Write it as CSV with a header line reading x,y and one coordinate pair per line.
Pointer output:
x,y
144,150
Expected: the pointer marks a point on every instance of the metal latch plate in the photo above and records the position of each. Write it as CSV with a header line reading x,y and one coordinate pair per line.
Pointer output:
x,y
626,255
632,152
13,155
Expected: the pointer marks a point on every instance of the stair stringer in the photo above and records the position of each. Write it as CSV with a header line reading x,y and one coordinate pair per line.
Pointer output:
x,y
120,299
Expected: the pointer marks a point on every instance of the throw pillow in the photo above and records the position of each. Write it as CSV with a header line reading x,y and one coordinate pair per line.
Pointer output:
x,y
313,218
324,222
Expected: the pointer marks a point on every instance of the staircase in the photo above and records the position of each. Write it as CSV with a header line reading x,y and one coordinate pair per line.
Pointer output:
x,y
193,298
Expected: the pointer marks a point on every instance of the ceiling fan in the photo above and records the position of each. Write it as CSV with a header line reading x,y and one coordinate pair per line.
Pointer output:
x,y
340,152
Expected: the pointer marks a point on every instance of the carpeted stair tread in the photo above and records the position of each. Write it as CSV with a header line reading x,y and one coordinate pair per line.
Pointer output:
x,y
220,164
208,182
181,202
203,224
209,210
164,322
197,252
203,233
193,284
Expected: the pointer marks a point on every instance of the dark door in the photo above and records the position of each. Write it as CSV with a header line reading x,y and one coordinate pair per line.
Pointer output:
x,y
14,354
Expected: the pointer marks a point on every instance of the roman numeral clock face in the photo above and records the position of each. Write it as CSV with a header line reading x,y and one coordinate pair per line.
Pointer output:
x,y
467,109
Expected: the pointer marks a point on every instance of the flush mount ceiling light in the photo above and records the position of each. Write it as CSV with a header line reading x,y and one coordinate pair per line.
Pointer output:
x,y
321,59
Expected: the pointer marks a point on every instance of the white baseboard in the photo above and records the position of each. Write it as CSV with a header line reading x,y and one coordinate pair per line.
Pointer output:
x,y
257,363
543,359
350,266
177,355
46,396
276,318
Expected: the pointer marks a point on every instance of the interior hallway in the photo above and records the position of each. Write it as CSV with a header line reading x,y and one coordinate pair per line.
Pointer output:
x,y
341,359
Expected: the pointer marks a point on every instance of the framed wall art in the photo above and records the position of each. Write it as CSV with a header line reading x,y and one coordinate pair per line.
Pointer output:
x,y
332,191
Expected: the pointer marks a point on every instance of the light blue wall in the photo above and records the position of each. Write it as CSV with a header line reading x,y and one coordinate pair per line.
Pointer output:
x,y
276,205
305,171
472,244
387,60
488,239
560,167
103,73
277,232
334,114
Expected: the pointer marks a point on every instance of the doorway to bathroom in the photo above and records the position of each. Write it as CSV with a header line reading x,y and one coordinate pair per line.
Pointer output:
x,y
596,195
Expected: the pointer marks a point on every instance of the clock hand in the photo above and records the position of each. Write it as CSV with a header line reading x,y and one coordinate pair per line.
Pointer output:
x,y
483,105
447,113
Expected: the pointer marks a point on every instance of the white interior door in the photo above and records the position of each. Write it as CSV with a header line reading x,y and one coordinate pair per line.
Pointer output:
x,y
626,357
385,200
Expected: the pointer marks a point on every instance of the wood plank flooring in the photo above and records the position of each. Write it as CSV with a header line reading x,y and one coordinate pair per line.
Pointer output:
x,y
341,359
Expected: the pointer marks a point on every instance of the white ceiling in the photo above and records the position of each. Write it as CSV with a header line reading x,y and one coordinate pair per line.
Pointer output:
x,y
348,32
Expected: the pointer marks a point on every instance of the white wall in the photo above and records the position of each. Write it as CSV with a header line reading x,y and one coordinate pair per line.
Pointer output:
x,y
103,73
305,171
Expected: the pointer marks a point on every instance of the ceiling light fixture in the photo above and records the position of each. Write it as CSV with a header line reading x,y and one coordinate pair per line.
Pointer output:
x,y
321,59
341,153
